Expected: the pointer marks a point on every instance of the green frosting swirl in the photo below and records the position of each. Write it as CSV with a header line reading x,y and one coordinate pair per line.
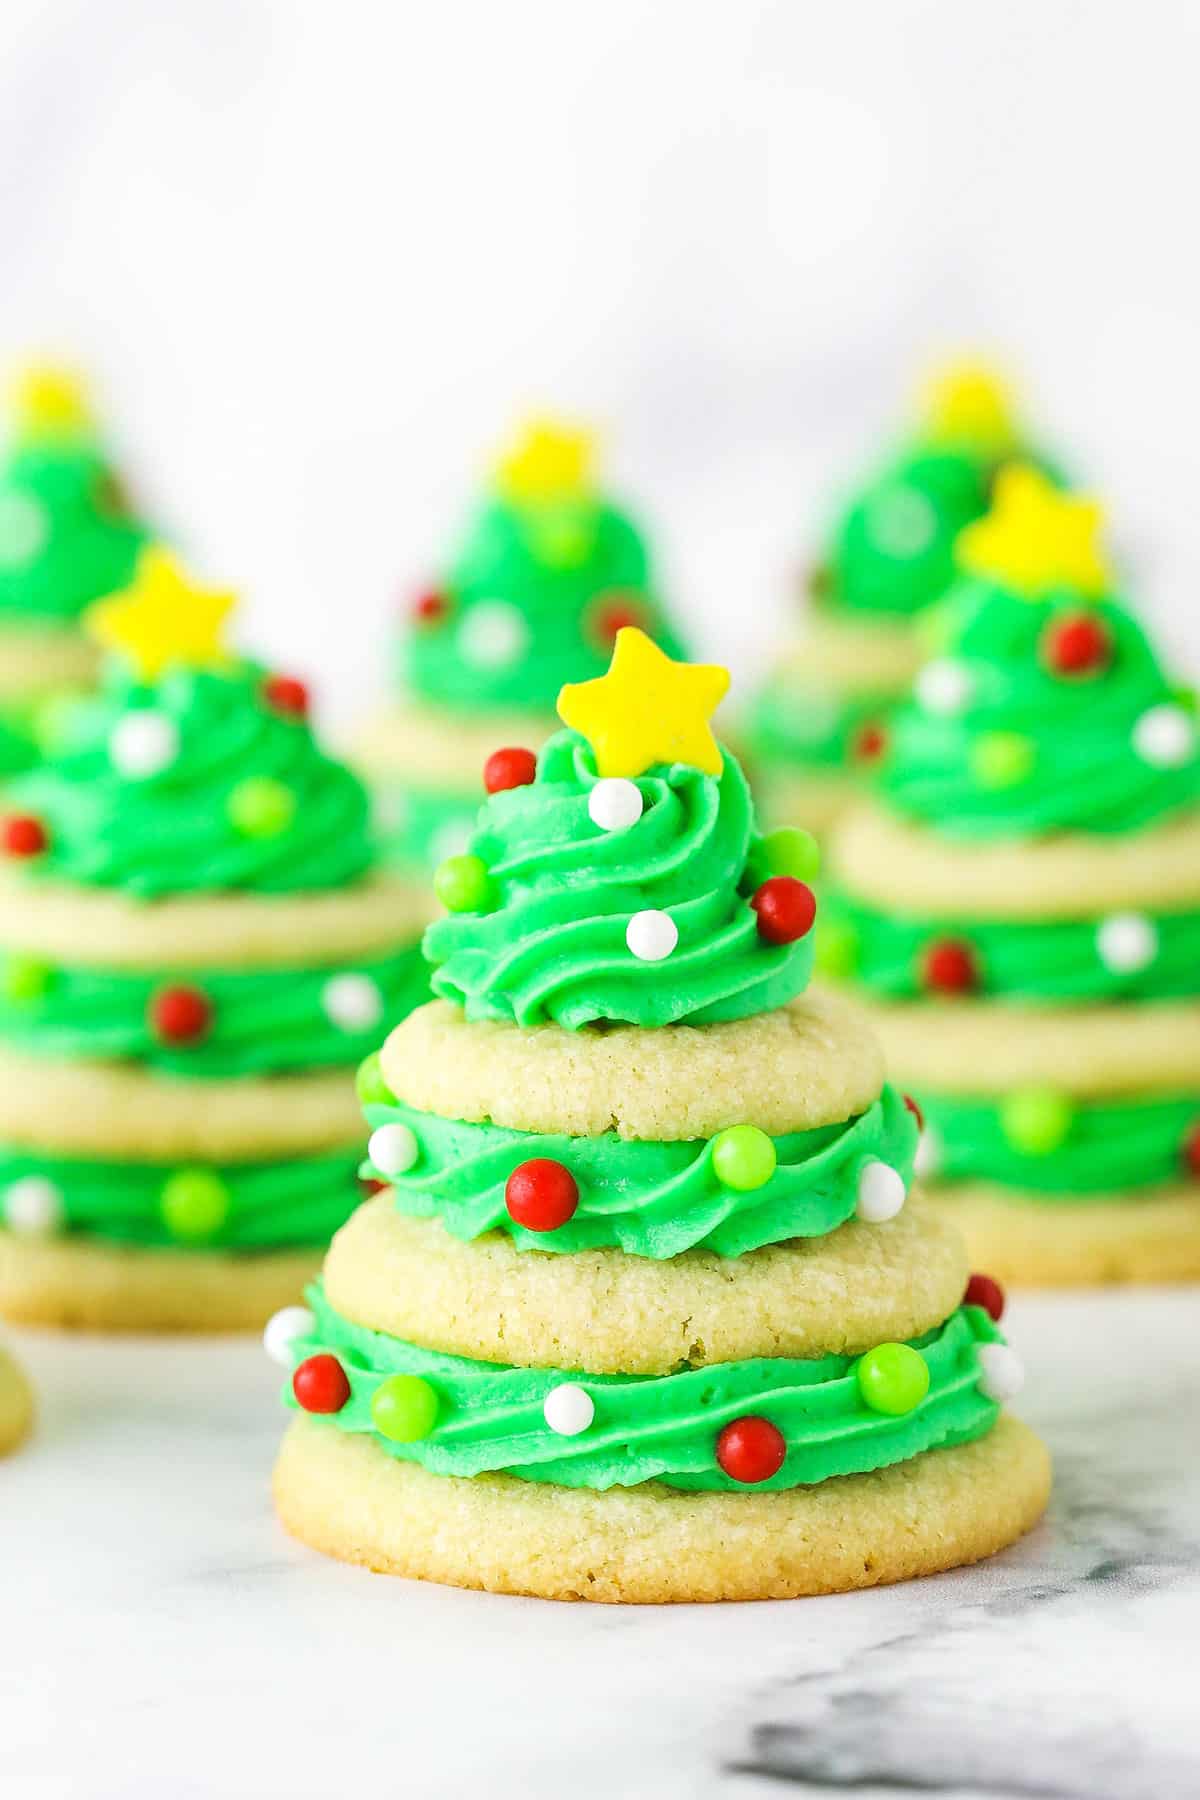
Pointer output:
x,y
263,1021
268,1205
67,536
659,1428
175,831
811,727
1061,960
554,945
649,1199
1100,1150
1024,750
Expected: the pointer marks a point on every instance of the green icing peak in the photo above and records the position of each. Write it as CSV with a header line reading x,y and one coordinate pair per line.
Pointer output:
x,y
68,534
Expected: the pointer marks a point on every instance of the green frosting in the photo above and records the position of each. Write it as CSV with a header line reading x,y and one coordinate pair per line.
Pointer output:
x,y
177,830
1061,960
67,533
1083,1154
553,946
649,1199
1023,751
267,1205
263,1021
795,724
659,1428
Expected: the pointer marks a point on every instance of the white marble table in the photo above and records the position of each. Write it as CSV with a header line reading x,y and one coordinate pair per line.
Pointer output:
x,y
163,1640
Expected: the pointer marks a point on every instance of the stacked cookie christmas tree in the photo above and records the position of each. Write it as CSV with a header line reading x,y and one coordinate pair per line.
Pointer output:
x,y
67,536
643,1313
821,721
1023,907
195,948
547,572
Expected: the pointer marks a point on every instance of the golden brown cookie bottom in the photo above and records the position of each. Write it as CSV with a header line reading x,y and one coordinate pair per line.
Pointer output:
x,y
86,1284
16,1403
344,1496
1034,1243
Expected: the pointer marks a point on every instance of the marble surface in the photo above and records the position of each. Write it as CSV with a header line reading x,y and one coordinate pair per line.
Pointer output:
x,y
163,1639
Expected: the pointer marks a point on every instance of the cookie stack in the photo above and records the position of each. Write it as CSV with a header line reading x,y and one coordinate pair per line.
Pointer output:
x,y
647,1310
195,948
547,572
1022,908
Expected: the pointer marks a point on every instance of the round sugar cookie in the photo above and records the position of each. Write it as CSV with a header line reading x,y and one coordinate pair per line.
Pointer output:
x,y
1028,1241
811,1063
105,929
880,656
86,1284
899,867
35,659
430,746
601,1311
16,1403
345,1496
111,1110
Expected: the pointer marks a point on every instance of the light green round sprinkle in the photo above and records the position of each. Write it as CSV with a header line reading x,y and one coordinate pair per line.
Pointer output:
x,y
404,1408
743,1158
790,851
1002,759
1036,1120
371,1088
194,1204
836,948
463,884
261,807
25,978
893,1378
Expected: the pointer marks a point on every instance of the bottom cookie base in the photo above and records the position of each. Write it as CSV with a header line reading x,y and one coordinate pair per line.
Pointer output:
x,y
16,1403
1034,1242
345,1496
86,1284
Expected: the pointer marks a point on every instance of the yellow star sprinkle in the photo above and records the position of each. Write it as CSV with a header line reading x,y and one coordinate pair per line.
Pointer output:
x,y
647,709
1036,539
51,402
968,403
548,462
163,619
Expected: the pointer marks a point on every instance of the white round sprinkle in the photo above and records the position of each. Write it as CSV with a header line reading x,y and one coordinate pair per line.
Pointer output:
x,y
568,1409
283,1330
493,635
352,1002
901,521
944,686
1127,942
142,743
651,935
615,803
24,529
1002,1371
393,1149
881,1192
928,1159
33,1206
1165,737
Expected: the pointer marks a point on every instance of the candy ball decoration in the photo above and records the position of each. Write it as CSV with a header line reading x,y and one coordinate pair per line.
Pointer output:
x,y
369,1085
1036,1120
836,949
194,1203
983,1291
261,807
24,979
285,694
893,1379
493,635
180,1015
944,686
430,608
463,884
915,1110
1076,644
611,613
615,803
789,851
751,1449
881,1192
33,1206
404,1408
1002,1373
1191,1150
1002,759
1165,737
1126,943
568,1409
23,835
393,1148
651,935
948,967
870,743
320,1384
743,1158
352,1002
509,768
541,1194
283,1330
785,909
143,744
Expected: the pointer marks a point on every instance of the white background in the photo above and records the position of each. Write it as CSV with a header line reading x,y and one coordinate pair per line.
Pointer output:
x,y
318,255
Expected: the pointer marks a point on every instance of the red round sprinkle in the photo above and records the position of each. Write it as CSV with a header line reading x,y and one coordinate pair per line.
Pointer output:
x,y
1191,1149
111,496
541,1194
751,1449
915,1110
370,1185
509,768
320,1384
983,1291
613,612
180,1015
786,909
1077,644
430,607
23,835
948,966
286,695
870,742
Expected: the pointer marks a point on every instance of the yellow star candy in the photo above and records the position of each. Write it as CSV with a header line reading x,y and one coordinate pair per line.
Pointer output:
x,y
1036,539
163,619
548,462
647,709
50,402
969,403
